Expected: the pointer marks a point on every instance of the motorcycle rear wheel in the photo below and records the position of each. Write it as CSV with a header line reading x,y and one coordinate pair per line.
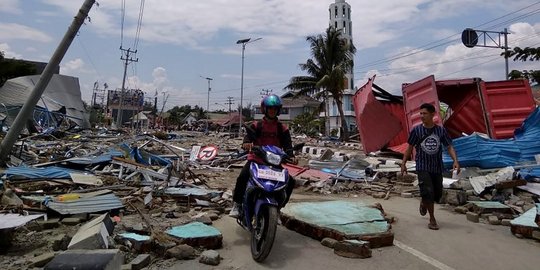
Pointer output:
x,y
264,232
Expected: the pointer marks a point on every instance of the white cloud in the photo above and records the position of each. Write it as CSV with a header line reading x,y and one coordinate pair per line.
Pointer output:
x,y
73,67
14,31
455,62
10,6
8,53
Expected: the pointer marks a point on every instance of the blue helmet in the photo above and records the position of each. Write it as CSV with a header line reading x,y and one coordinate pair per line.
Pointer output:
x,y
271,101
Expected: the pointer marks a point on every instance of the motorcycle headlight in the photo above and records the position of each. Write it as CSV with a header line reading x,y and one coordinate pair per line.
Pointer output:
x,y
273,158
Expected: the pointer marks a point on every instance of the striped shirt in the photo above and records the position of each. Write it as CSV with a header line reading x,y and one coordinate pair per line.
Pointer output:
x,y
428,143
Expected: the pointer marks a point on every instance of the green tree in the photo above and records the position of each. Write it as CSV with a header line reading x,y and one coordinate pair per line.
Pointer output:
x,y
11,68
332,58
308,123
525,54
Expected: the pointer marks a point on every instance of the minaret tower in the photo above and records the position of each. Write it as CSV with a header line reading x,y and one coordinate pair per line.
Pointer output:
x,y
340,18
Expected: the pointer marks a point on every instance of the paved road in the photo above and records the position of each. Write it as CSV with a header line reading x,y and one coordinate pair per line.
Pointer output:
x,y
459,244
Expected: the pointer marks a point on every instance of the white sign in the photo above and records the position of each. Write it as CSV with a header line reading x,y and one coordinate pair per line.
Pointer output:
x,y
271,174
207,153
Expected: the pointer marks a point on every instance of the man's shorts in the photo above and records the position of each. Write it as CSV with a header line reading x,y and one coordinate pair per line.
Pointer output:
x,y
431,186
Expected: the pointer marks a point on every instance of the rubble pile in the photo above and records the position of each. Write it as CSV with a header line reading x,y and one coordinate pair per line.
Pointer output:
x,y
124,197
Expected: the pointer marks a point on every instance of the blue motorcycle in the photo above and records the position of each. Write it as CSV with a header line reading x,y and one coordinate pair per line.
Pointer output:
x,y
265,195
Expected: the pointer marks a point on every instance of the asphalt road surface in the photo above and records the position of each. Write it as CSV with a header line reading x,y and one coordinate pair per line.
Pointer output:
x,y
459,245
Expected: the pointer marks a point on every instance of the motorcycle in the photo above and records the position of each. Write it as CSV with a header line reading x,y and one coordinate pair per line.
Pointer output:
x,y
265,195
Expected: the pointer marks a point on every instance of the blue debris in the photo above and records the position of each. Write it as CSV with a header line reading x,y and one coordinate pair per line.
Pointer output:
x,y
25,173
476,151
193,230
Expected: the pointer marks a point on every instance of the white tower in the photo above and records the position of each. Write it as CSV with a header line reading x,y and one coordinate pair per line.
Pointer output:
x,y
340,18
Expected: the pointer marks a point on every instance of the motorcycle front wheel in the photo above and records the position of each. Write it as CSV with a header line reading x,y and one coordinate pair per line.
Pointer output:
x,y
264,232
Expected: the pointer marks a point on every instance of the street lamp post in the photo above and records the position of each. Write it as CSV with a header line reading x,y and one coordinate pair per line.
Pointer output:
x,y
207,101
243,42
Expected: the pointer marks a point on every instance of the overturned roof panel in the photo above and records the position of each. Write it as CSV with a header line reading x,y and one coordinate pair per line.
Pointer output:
x,y
62,91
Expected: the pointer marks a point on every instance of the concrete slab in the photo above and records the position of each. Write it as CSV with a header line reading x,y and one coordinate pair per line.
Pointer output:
x,y
105,259
484,207
198,234
525,224
141,243
90,238
339,220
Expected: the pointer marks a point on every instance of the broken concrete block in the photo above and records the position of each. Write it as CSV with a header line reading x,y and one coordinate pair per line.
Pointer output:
x,y
339,220
536,235
94,237
140,262
473,217
494,220
329,242
72,221
454,197
198,234
461,209
126,267
10,198
49,224
60,242
210,257
140,243
525,224
406,195
42,259
505,222
181,252
205,219
105,219
353,249
213,216
105,259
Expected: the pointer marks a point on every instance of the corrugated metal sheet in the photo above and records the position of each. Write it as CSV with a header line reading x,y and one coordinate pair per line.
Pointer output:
x,y
61,91
508,103
417,93
87,205
377,125
25,173
398,110
15,220
466,114
475,151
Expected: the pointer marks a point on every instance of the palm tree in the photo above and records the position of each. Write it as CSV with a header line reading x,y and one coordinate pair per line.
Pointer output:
x,y
332,58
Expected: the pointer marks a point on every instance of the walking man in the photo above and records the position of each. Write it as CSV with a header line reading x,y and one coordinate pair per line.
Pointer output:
x,y
428,139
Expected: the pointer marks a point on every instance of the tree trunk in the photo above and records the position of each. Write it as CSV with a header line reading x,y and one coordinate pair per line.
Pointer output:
x,y
344,134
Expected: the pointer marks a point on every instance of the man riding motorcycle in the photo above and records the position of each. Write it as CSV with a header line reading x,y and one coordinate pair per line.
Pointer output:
x,y
269,131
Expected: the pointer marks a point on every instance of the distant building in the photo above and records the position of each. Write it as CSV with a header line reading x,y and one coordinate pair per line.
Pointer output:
x,y
292,107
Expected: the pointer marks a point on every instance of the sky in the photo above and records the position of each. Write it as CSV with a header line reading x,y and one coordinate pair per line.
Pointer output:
x,y
180,43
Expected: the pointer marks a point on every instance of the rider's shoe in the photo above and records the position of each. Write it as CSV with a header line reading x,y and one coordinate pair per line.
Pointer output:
x,y
235,211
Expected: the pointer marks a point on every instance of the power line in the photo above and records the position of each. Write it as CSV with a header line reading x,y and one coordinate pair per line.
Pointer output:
x,y
438,44
139,25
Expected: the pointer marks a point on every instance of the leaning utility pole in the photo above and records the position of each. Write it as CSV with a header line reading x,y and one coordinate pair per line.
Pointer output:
x,y
127,60
44,79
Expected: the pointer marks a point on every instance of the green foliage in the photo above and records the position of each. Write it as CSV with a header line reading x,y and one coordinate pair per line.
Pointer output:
x,y
308,123
332,58
526,54
11,68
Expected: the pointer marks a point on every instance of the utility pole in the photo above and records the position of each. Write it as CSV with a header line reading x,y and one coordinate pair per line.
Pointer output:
x,y
230,102
44,79
207,101
127,60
